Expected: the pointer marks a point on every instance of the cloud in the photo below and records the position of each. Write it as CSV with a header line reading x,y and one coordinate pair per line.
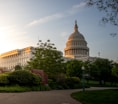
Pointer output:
x,y
45,19
74,9
81,5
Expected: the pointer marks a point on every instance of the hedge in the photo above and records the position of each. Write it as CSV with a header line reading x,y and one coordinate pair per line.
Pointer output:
x,y
24,78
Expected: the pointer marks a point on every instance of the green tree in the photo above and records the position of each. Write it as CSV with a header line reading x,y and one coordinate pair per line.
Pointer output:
x,y
87,65
114,78
101,70
73,68
115,70
47,58
18,67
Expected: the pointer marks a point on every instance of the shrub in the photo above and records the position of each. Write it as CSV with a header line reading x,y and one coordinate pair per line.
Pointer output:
x,y
4,79
24,78
52,83
18,67
65,83
72,82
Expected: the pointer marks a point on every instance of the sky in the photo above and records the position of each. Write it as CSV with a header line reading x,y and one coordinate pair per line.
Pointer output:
x,y
24,22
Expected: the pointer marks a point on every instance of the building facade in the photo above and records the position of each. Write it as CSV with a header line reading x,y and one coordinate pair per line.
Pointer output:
x,y
12,58
76,46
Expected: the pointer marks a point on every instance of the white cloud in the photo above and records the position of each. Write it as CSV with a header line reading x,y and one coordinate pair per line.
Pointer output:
x,y
74,9
81,5
45,19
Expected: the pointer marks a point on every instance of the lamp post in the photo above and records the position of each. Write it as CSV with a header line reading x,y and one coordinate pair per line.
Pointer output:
x,y
83,68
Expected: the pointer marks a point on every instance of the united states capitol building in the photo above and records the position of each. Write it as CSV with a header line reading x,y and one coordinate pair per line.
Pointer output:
x,y
76,48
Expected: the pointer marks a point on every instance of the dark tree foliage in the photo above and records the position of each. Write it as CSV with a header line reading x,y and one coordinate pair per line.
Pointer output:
x,y
73,68
115,70
114,78
110,9
18,67
101,70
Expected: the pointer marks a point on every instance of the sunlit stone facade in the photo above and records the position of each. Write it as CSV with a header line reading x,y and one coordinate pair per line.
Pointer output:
x,y
12,58
76,46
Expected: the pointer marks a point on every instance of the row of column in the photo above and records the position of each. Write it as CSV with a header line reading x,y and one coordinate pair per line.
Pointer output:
x,y
76,51
11,61
76,43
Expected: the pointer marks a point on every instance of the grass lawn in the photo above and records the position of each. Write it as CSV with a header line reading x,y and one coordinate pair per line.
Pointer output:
x,y
14,89
23,88
96,84
97,97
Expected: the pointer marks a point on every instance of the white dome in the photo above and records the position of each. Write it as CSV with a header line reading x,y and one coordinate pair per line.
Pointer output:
x,y
76,44
76,35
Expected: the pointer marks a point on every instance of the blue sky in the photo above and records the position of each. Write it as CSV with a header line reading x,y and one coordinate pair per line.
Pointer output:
x,y
23,22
